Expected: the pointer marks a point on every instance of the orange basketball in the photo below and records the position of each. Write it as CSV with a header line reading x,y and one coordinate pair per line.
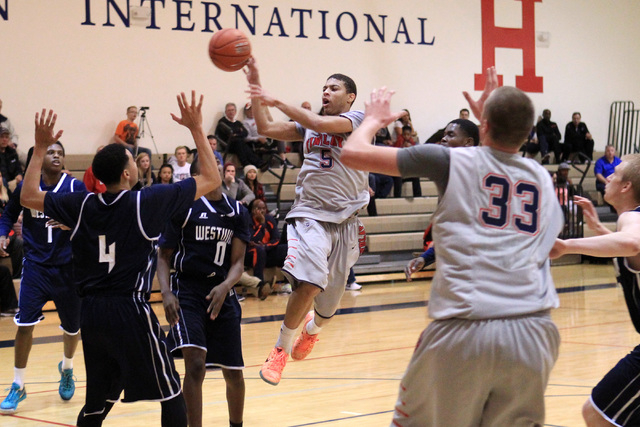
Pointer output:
x,y
229,49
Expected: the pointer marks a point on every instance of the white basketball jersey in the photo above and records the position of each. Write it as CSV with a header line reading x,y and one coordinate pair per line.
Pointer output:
x,y
326,189
493,230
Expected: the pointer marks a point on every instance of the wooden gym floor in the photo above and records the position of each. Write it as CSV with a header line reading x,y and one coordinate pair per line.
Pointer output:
x,y
352,376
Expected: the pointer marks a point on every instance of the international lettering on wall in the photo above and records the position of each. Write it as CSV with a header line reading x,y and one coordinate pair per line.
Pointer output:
x,y
345,26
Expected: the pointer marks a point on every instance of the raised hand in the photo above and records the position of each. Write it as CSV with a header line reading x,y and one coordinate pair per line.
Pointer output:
x,y
251,71
588,212
44,129
191,114
491,83
378,108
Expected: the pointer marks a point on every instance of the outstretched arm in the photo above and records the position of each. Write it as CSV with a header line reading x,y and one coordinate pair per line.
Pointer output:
x,y
191,117
32,197
491,83
358,153
623,243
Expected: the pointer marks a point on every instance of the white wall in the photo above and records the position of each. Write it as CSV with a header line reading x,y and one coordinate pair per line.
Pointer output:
x,y
90,74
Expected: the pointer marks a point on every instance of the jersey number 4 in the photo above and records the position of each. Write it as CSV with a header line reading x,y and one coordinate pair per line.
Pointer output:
x,y
502,194
107,255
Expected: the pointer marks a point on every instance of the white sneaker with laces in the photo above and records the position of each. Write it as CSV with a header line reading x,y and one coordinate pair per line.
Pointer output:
x,y
353,287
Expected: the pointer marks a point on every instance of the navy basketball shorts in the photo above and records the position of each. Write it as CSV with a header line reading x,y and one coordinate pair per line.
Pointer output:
x,y
617,396
40,284
125,349
220,338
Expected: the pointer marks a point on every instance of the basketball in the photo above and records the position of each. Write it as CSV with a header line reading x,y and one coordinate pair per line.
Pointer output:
x,y
229,49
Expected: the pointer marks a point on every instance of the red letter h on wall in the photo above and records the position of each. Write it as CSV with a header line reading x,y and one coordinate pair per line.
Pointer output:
x,y
515,38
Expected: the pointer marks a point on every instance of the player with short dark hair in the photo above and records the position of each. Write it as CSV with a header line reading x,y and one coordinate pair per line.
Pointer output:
x,y
206,247
486,357
114,257
323,227
46,276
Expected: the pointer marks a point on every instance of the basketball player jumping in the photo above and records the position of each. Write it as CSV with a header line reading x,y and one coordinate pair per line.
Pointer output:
x,y
486,357
114,252
322,224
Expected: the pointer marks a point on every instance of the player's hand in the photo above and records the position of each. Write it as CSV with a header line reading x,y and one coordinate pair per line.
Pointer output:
x,y
559,249
251,71
414,265
191,113
44,129
171,308
490,84
55,224
217,297
588,212
256,91
4,243
378,107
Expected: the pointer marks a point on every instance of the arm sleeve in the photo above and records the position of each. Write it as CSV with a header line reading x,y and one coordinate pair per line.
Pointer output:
x,y
428,160
160,202
64,207
598,168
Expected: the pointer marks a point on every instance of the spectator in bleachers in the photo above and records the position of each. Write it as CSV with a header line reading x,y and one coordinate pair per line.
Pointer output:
x,y
464,114
406,139
261,145
234,134
235,188
531,147
165,174
605,166
92,183
127,133
401,123
9,161
146,177
577,139
213,142
8,299
181,168
549,138
6,123
251,179
265,248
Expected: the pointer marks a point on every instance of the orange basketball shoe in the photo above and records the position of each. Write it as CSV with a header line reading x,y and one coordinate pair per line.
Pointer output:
x,y
271,370
305,342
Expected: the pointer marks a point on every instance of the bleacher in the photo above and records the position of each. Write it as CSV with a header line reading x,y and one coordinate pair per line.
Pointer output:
x,y
394,236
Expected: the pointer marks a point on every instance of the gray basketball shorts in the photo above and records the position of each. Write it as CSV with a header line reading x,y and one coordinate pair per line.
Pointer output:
x,y
489,372
322,253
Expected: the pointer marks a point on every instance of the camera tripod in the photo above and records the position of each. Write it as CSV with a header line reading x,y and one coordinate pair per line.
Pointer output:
x,y
144,123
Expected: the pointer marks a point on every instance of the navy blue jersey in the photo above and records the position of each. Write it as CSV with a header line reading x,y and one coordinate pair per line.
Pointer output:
x,y
202,237
42,244
629,280
114,235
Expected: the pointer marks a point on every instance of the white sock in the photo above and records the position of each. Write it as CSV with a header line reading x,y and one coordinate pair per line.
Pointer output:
x,y
67,363
18,376
286,338
312,328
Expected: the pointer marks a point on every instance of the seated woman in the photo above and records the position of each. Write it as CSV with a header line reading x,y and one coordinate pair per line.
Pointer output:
x,y
146,177
165,175
235,188
265,249
251,179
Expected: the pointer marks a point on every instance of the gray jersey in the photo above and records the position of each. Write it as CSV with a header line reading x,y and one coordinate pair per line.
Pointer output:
x,y
496,222
326,189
